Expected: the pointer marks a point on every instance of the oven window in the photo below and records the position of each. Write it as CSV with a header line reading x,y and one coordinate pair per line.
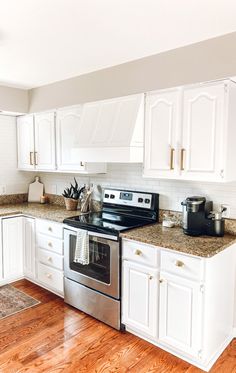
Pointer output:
x,y
99,260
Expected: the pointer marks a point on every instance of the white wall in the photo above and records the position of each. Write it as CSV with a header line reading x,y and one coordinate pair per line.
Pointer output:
x,y
129,176
11,180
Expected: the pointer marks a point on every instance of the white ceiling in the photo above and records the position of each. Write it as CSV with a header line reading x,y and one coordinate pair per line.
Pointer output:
x,y
42,41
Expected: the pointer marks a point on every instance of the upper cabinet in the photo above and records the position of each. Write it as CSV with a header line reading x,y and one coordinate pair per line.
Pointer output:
x,y
46,146
45,157
25,137
36,142
189,133
111,130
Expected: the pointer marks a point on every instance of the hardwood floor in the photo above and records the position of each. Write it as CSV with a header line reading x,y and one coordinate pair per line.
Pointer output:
x,y
54,337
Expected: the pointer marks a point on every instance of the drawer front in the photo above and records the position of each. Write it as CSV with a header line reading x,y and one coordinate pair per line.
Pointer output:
x,y
182,265
140,253
51,259
50,243
51,277
50,228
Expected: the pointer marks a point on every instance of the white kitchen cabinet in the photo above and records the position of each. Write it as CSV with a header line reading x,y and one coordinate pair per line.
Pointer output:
x,y
180,313
68,123
140,298
45,145
29,263
178,301
189,133
12,238
161,133
25,140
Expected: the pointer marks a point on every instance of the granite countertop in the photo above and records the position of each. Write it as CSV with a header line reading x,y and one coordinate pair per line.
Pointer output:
x,y
175,239
52,212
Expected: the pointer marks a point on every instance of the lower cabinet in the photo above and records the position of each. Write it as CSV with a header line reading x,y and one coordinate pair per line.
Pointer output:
x,y
12,245
180,313
140,298
178,301
29,259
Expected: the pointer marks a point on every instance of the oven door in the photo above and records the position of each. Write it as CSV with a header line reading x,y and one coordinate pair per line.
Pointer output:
x,y
103,271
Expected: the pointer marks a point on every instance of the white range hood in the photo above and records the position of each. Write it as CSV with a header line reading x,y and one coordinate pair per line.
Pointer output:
x,y
111,131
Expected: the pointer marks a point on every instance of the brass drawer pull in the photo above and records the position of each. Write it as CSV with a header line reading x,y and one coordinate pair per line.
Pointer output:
x,y
178,263
182,153
138,252
172,151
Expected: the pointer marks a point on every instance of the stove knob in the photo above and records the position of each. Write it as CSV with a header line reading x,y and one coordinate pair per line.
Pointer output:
x,y
112,196
147,200
106,196
140,200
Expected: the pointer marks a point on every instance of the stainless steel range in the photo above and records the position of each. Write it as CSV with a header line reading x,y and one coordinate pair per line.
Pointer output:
x,y
94,287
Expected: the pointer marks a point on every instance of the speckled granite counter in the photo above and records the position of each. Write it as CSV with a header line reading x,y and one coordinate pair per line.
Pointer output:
x,y
175,239
48,211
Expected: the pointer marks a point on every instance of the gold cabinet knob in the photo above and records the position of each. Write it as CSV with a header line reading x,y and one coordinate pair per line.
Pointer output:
x,y
138,252
50,229
161,280
150,277
49,244
179,263
49,258
48,275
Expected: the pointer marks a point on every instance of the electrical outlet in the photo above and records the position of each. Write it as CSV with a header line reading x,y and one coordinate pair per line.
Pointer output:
x,y
226,213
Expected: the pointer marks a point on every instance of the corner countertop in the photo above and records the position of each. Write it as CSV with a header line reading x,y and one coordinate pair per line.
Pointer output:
x,y
36,210
175,239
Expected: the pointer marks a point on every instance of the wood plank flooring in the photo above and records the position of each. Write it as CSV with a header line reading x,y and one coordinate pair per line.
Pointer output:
x,y
54,337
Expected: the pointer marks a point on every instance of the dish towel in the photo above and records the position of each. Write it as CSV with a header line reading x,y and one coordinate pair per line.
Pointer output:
x,y
82,247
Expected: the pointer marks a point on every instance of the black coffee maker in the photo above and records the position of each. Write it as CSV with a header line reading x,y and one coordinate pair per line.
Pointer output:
x,y
199,219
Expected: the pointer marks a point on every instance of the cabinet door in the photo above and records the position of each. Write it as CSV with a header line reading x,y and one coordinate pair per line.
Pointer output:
x,y
68,126
202,136
45,145
161,133
180,314
25,142
140,298
12,229
29,248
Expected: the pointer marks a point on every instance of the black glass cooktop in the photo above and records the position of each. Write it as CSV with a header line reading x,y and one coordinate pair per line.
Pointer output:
x,y
105,222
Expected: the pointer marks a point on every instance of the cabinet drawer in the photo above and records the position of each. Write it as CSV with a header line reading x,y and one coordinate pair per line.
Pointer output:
x,y
182,265
50,228
141,253
51,259
50,243
51,277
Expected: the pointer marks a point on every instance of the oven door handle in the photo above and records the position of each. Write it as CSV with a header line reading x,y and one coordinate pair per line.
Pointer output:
x,y
94,234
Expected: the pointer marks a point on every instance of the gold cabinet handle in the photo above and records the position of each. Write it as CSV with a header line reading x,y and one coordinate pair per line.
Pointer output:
x,y
179,263
182,152
138,252
172,151
36,158
31,162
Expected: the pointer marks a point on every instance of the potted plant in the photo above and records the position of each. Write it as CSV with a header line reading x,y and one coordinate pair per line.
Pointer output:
x,y
72,196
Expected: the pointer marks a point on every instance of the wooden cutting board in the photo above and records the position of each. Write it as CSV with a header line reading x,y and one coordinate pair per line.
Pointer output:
x,y
35,190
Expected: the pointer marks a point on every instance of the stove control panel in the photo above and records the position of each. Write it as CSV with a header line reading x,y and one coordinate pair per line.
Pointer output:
x,y
123,197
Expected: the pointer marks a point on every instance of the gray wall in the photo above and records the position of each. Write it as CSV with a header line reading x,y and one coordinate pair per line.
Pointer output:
x,y
208,60
13,99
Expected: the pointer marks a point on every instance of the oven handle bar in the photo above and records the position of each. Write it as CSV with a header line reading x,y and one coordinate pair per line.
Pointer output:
x,y
94,234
